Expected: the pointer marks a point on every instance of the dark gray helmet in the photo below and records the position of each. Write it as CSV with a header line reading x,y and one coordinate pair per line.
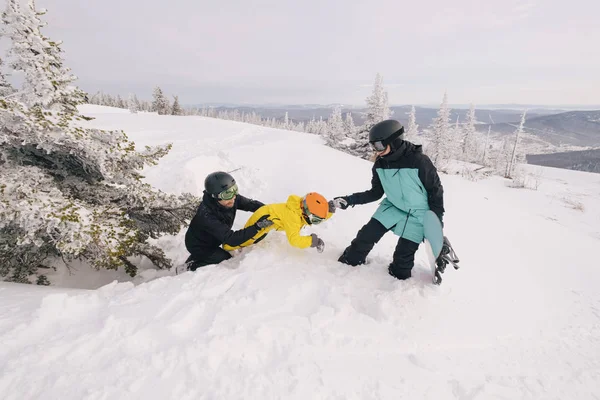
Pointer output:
x,y
386,132
218,182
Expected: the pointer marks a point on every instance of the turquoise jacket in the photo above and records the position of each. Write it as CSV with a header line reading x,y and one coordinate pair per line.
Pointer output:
x,y
411,185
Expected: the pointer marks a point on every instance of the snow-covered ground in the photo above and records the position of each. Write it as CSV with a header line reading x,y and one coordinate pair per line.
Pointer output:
x,y
519,320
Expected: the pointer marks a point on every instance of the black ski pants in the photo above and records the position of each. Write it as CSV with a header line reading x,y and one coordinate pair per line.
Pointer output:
x,y
404,254
218,256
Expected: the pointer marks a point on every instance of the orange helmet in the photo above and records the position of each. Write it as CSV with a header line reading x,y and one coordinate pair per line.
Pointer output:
x,y
315,207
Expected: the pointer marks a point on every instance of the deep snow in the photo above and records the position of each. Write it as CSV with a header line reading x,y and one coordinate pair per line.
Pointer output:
x,y
519,320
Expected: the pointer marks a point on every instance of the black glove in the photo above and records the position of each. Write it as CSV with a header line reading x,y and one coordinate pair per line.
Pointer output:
x,y
263,222
317,242
341,202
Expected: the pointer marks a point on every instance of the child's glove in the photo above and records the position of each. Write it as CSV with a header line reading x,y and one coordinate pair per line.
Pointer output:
x,y
263,222
332,206
317,242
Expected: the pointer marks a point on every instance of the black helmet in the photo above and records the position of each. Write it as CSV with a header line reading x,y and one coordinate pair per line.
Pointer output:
x,y
218,182
386,132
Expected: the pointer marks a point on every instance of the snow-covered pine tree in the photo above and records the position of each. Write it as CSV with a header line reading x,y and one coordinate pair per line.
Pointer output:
x,y
377,110
502,157
176,110
286,121
486,147
47,82
133,103
311,125
438,149
469,145
68,192
160,104
107,100
320,127
412,130
453,141
377,104
94,98
144,105
336,130
349,125
514,153
120,103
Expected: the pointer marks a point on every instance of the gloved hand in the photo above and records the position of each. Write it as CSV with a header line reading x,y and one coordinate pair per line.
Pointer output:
x,y
317,242
263,222
341,202
331,205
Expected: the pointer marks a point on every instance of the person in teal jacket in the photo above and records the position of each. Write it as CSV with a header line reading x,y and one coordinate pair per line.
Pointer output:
x,y
411,185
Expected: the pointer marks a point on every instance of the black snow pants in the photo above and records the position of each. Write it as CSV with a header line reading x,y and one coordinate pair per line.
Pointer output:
x,y
367,236
218,256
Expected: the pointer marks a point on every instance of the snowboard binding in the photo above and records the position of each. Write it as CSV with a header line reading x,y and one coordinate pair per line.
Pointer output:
x,y
447,256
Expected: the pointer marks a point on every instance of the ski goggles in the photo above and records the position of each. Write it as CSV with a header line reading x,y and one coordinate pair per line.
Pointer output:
x,y
311,218
378,146
228,194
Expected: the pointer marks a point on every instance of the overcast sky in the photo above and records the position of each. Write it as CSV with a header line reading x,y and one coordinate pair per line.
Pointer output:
x,y
320,51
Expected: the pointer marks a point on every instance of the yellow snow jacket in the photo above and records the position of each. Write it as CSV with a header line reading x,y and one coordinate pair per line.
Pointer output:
x,y
286,217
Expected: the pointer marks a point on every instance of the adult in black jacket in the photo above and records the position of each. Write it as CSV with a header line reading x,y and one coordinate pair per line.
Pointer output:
x,y
211,226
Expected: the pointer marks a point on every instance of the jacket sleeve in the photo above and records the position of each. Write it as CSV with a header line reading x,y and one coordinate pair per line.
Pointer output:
x,y
431,181
227,236
292,231
370,195
246,204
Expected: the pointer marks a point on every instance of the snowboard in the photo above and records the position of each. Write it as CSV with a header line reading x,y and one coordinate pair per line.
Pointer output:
x,y
443,253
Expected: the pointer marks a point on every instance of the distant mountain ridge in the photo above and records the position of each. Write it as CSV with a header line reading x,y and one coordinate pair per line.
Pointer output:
x,y
586,160
575,128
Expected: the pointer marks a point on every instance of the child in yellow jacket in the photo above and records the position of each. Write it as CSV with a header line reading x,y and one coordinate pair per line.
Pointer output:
x,y
291,217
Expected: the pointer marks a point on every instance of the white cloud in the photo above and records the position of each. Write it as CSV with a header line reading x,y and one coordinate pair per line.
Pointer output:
x,y
316,51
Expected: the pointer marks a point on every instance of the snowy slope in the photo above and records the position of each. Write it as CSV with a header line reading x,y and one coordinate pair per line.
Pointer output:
x,y
519,320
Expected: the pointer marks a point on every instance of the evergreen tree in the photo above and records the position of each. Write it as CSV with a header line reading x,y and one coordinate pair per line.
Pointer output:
x,y
349,125
69,192
119,102
176,110
377,110
513,154
412,130
336,131
133,103
107,100
286,121
438,148
486,147
47,82
469,139
377,104
160,104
